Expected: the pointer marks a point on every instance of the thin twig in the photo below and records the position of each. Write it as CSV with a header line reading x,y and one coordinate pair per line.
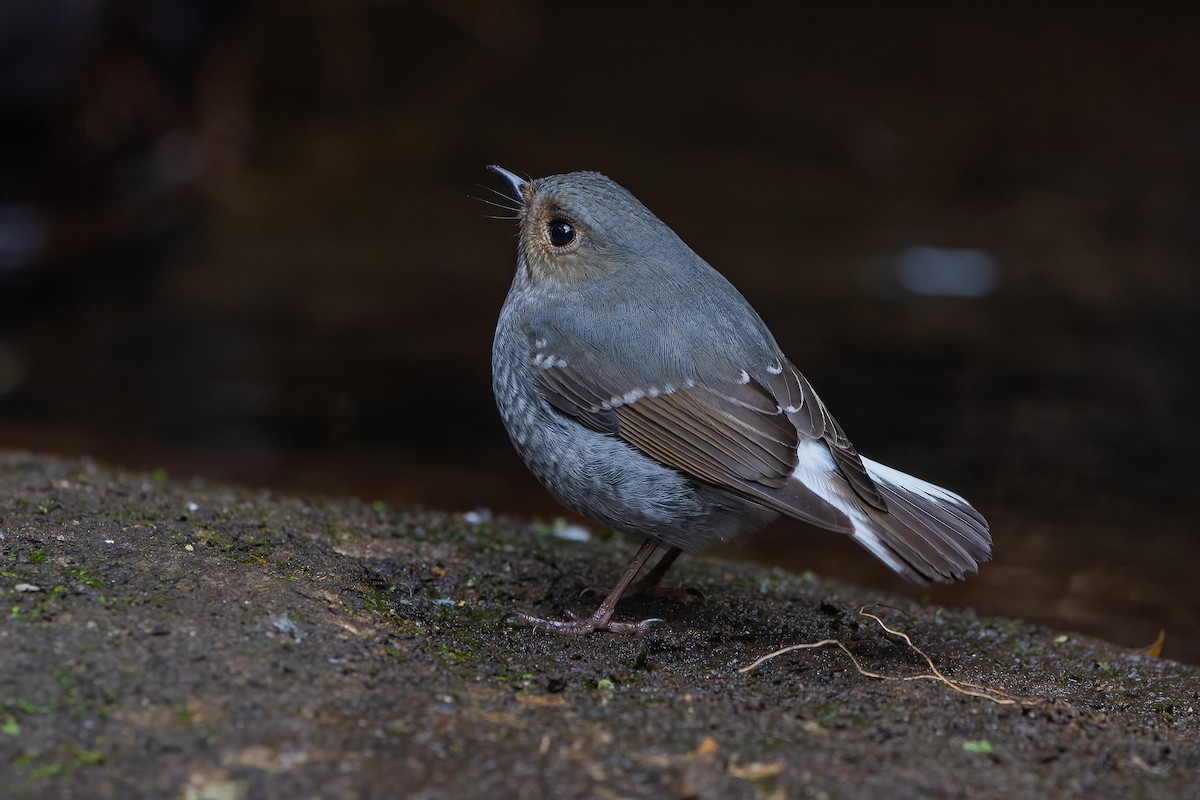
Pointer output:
x,y
962,687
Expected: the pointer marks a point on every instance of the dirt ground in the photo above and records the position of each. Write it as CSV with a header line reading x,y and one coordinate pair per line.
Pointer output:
x,y
178,639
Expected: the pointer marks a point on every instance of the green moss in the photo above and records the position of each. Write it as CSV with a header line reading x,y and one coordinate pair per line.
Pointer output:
x,y
451,655
70,760
87,577
125,600
25,707
381,601
250,547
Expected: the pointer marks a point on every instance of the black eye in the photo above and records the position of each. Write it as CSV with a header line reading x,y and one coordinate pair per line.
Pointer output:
x,y
561,232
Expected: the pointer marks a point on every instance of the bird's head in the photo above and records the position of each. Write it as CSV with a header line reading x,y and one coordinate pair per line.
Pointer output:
x,y
580,226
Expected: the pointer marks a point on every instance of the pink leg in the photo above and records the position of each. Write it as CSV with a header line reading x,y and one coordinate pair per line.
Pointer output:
x,y
602,619
647,584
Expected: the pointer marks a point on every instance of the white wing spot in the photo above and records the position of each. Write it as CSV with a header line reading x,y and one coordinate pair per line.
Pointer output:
x,y
774,369
633,395
744,377
791,409
547,361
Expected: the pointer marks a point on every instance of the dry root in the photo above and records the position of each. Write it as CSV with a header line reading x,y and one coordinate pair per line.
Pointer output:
x,y
962,687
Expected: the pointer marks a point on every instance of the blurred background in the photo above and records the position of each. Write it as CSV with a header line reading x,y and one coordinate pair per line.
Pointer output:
x,y
238,240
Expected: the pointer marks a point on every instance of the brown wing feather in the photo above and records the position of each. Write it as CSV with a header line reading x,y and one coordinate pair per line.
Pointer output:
x,y
805,409
733,436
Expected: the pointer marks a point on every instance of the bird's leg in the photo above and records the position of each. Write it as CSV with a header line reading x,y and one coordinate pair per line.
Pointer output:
x,y
649,587
601,620
655,576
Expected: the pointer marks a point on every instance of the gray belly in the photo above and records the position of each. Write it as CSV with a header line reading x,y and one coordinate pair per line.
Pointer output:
x,y
602,478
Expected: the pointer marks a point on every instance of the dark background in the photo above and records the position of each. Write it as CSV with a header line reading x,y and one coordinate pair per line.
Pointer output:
x,y
237,240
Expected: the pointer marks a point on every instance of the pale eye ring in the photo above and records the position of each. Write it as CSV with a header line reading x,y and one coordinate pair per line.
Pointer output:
x,y
560,232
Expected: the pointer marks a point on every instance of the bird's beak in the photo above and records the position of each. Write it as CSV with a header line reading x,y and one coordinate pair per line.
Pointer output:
x,y
520,186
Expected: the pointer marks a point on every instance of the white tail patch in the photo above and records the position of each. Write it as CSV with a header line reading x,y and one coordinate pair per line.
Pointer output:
x,y
921,549
885,474
817,470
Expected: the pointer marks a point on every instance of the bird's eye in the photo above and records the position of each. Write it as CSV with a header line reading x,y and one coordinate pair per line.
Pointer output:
x,y
561,232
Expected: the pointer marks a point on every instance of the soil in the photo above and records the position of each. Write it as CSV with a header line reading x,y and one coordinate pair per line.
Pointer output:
x,y
180,639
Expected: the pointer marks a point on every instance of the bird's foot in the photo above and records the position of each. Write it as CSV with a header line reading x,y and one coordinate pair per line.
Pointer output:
x,y
574,626
601,619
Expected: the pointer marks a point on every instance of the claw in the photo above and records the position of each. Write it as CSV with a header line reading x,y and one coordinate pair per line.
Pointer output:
x,y
646,624
601,620
573,626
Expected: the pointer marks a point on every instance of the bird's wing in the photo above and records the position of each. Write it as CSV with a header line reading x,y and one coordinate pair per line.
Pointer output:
x,y
804,408
734,435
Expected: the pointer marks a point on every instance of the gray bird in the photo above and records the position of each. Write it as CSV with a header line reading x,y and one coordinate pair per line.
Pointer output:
x,y
648,396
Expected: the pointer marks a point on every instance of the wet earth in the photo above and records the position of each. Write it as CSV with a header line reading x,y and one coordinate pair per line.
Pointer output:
x,y
166,638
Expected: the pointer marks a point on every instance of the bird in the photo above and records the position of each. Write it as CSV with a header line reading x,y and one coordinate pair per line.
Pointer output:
x,y
647,395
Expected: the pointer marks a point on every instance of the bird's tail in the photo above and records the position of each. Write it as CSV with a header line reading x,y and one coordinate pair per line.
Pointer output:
x,y
928,533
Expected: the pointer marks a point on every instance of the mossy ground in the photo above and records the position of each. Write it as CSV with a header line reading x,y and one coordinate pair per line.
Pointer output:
x,y
171,639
